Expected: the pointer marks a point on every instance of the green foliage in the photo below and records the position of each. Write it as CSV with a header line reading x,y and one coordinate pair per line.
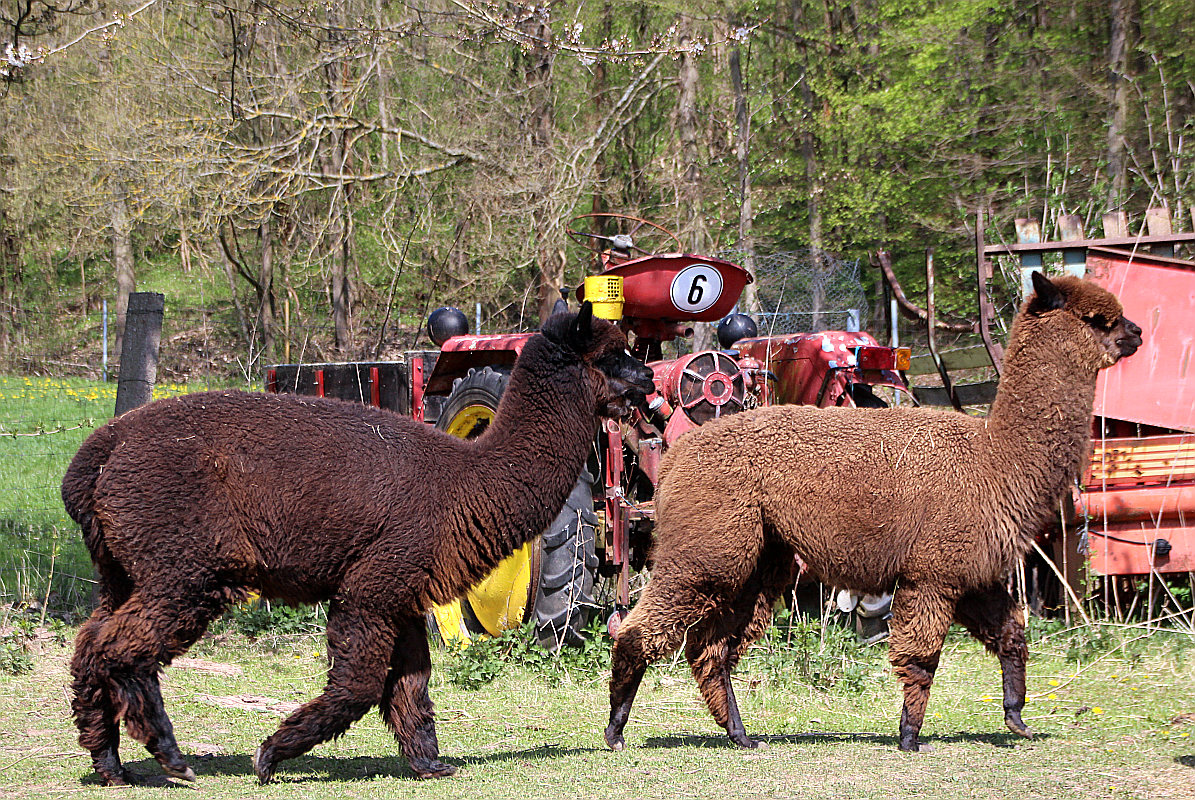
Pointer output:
x,y
800,649
487,658
15,658
257,619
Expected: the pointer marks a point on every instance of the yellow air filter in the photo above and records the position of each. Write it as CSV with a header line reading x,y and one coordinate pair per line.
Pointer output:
x,y
605,292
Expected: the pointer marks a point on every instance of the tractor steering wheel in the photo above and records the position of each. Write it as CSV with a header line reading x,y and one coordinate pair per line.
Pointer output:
x,y
632,237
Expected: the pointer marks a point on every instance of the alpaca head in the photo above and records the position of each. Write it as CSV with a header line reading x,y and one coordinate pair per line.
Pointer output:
x,y
620,380
1104,334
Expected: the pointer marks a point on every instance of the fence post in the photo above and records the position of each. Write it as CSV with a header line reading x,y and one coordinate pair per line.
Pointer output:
x,y
139,355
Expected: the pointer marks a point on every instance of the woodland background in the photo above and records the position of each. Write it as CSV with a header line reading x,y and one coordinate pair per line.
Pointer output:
x,y
343,167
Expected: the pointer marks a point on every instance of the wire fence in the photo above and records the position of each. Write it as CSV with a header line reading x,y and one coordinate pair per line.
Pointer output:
x,y
806,290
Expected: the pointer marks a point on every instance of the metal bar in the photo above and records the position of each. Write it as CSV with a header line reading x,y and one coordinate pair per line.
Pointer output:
x,y
1074,260
1028,232
987,311
932,329
884,261
1115,241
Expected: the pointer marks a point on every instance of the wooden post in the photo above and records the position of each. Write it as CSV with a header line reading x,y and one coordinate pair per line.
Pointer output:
x,y
1157,223
139,355
1074,260
1028,232
1116,225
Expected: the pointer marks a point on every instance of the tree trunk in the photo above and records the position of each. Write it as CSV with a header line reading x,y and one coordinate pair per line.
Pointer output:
x,y
749,302
1124,23
536,23
813,177
693,231
122,262
265,280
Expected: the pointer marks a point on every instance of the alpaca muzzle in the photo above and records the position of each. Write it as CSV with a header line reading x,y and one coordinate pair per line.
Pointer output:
x,y
1128,344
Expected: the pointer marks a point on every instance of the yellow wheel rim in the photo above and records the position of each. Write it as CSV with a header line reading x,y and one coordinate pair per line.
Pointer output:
x,y
451,622
499,600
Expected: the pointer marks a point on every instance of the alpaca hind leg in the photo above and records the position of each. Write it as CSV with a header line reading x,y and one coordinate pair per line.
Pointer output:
x,y
359,648
994,618
776,575
715,651
406,706
920,619
91,704
147,632
654,628
95,715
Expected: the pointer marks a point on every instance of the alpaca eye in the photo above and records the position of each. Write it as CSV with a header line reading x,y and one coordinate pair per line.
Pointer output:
x,y
1099,321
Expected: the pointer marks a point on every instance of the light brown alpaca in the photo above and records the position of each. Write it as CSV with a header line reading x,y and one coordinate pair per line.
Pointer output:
x,y
938,505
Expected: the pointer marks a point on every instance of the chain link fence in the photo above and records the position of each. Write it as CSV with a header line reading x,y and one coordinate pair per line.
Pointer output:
x,y
806,290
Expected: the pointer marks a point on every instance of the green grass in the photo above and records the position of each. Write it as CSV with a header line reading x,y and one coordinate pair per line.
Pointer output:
x,y
1109,726
43,420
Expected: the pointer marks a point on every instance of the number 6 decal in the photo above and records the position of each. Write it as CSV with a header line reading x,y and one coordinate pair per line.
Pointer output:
x,y
696,288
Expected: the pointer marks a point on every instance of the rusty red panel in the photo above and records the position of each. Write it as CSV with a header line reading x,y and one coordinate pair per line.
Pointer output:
x,y
1157,385
1130,549
1139,503
498,341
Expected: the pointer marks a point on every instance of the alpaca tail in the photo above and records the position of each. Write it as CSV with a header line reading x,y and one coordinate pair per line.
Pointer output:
x,y
78,488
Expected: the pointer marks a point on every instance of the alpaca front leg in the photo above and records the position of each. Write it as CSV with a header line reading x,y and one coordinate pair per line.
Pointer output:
x,y
651,631
359,649
406,705
920,619
994,618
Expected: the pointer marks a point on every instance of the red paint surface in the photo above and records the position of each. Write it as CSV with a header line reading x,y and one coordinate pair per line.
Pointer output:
x,y
647,283
1156,386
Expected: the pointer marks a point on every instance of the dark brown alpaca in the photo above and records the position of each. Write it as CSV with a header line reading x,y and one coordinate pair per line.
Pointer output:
x,y
938,505
189,504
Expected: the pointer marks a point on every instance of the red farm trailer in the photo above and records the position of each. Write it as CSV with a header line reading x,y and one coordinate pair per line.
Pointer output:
x,y
1133,513
1135,508
604,530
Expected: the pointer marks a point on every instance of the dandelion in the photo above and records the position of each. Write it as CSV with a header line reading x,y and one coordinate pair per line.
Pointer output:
x,y
1051,696
1053,682
1097,710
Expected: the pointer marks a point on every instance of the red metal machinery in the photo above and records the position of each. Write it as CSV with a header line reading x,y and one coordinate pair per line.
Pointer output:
x,y
606,528
1136,503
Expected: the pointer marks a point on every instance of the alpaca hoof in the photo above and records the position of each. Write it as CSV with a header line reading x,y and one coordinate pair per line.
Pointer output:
x,y
433,769
1018,727
185,773
121,777
747,743
614,740
914,746
263,765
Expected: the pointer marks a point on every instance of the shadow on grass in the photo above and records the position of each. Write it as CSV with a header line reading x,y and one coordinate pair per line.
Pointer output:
x,y
1007,740
313,769
305,769
1186,761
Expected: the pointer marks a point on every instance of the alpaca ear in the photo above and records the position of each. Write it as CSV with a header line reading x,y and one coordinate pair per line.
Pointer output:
x,y
1046,296
582,327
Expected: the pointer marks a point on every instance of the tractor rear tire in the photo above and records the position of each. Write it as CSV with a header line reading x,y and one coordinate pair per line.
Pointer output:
x,y
568,562
565,561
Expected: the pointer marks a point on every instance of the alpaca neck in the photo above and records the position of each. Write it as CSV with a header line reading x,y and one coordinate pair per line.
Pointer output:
x,y
529,458
1040,422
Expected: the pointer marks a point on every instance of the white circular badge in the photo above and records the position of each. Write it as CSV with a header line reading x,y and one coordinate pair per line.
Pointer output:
x,y
696,288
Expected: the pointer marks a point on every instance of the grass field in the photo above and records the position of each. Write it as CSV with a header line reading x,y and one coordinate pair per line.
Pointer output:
x,y
43,420
1111,724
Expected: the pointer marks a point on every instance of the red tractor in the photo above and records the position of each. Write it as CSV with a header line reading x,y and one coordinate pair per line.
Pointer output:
x,y
604,531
